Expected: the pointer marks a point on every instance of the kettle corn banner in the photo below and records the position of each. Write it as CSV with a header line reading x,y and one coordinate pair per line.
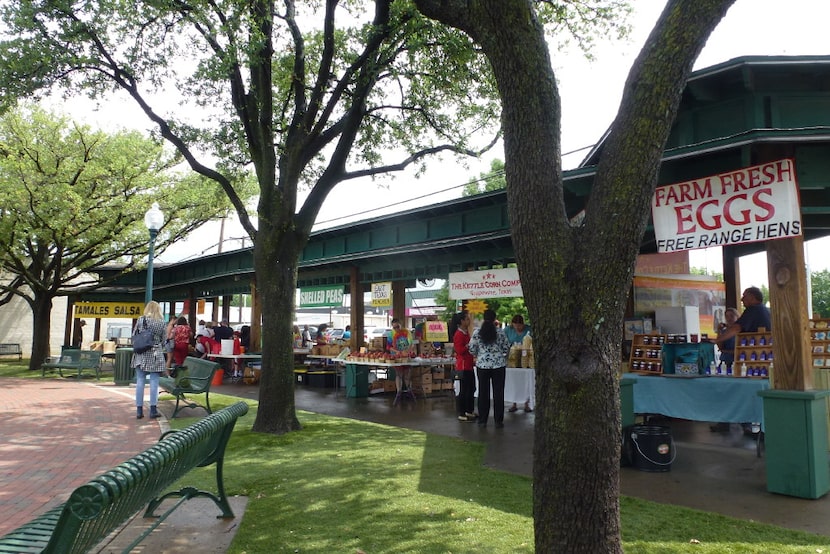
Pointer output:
x,y
488,283
748,205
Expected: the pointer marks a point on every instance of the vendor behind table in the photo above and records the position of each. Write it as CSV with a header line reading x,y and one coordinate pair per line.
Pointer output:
x,y
399,343
516,333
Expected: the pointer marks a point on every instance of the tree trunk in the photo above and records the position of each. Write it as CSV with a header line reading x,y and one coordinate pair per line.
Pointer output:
x,y
575,277
41,328
276,255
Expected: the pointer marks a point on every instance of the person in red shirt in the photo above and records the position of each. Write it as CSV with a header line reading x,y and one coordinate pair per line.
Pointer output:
x,y
464,372
182,333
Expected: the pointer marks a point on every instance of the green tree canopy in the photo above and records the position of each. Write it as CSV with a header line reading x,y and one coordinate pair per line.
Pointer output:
x,y
307,95
820,283
486,182
73,201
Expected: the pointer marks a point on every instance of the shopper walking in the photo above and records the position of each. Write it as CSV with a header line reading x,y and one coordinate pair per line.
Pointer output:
x,y
151,362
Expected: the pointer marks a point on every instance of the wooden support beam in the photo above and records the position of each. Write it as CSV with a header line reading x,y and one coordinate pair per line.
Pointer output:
x,y
357,319
399,302
731,277
788,307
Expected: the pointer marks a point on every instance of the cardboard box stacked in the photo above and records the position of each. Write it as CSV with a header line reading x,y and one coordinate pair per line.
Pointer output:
x,y
432,380
422,380
425,380
379,386
332,350
442,378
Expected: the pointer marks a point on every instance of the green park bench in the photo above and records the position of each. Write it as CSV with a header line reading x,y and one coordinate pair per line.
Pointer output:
x,y
11,349
74,361
96,509
197,380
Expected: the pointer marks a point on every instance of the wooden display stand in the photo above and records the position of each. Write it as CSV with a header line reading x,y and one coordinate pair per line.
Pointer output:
x,y
647,354
753,351
820,342
820,345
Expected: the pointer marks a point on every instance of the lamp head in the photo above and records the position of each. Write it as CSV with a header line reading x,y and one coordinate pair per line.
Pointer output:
x,y
154,218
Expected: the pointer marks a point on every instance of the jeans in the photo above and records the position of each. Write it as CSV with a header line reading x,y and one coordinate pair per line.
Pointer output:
x,y
486,377
140,379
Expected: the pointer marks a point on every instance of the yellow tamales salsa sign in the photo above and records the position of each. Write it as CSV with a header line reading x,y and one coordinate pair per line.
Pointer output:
x,y
97,310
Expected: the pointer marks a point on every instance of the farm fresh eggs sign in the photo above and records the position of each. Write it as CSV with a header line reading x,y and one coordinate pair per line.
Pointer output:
x,y
748,205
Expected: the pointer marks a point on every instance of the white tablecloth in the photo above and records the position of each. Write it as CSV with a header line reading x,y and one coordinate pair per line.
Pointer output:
x,y
519,386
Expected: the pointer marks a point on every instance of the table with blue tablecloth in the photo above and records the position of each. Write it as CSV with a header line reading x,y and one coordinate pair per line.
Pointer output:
x,y
726,399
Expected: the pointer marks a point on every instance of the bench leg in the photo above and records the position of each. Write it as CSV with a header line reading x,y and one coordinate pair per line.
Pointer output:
x,y
220,499
180,397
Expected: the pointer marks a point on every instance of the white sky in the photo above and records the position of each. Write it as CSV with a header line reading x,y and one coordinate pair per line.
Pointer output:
x,y
590,93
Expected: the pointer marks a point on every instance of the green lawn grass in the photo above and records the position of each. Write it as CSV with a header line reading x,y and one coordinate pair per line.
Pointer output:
x,y
342,485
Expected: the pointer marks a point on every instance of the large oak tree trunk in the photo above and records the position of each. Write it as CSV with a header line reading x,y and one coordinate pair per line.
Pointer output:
x,y
276,254
575,276
41,329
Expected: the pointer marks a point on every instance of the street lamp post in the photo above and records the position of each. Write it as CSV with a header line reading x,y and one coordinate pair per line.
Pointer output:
x,y
153,219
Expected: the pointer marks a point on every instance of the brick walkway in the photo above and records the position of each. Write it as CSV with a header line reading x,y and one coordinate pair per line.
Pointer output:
x,y
56,435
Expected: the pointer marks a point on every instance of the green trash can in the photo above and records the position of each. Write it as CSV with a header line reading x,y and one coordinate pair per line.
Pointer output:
x,y
357,381
122,372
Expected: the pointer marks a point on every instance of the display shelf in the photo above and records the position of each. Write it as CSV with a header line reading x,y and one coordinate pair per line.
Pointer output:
x,y
647,354
820,342
754,355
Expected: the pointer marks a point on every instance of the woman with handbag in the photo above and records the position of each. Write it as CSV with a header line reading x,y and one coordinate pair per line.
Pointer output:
x,y
148,356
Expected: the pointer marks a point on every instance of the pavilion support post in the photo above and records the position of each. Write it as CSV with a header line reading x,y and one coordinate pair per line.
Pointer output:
x,y
731,277
226,306
399,302
357,318
191,307
788,301
795,417
214,310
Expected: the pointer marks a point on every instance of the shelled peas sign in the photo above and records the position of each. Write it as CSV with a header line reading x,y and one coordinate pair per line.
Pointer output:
x,y
97,310
746,205
321,297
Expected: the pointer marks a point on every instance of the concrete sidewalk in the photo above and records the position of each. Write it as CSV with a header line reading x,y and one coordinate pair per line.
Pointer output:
x,y
57,435
60,433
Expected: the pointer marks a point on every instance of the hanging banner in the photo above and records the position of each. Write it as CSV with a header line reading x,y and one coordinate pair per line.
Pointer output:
x,y
488,283
321,297
748,205
382,295
97,310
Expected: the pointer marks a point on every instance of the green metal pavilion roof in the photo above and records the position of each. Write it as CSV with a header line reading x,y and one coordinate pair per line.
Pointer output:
x,y
731,114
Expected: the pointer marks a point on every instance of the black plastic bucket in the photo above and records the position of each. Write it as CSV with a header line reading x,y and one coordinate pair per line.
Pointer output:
x,y
651,447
